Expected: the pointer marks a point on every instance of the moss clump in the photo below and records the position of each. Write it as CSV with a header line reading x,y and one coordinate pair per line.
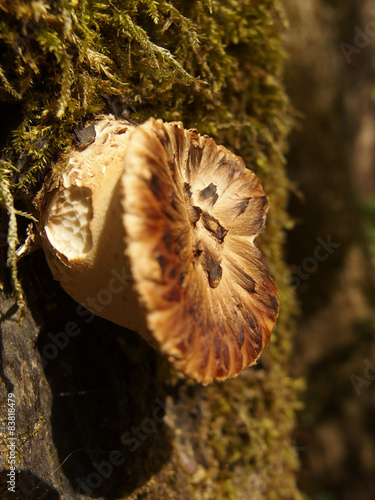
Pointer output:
x,y
216,66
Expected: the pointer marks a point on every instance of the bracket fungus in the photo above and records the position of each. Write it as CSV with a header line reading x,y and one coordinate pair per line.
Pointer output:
x,y
153,228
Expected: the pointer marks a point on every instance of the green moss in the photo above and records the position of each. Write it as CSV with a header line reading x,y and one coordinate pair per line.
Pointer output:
x,y
6,200
216,66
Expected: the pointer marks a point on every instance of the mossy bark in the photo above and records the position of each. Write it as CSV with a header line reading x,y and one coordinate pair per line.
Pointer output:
x,y
100,414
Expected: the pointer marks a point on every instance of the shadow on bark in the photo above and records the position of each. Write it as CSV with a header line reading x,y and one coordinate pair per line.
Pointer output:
x,y
28,486
101,405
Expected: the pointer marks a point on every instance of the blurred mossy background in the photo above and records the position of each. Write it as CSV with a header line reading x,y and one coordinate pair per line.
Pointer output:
x,y
330,76
216,66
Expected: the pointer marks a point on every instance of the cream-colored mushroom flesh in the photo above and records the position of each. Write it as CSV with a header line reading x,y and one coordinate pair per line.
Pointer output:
x,y
83,230
153,228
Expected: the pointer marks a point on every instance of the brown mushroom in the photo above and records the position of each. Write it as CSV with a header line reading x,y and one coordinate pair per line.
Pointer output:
x,y
153,228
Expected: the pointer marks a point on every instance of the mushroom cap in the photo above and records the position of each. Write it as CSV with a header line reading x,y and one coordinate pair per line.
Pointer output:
x,y
191,211
153,228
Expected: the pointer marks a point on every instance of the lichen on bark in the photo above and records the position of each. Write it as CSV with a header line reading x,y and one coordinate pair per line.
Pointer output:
x,y
216,66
